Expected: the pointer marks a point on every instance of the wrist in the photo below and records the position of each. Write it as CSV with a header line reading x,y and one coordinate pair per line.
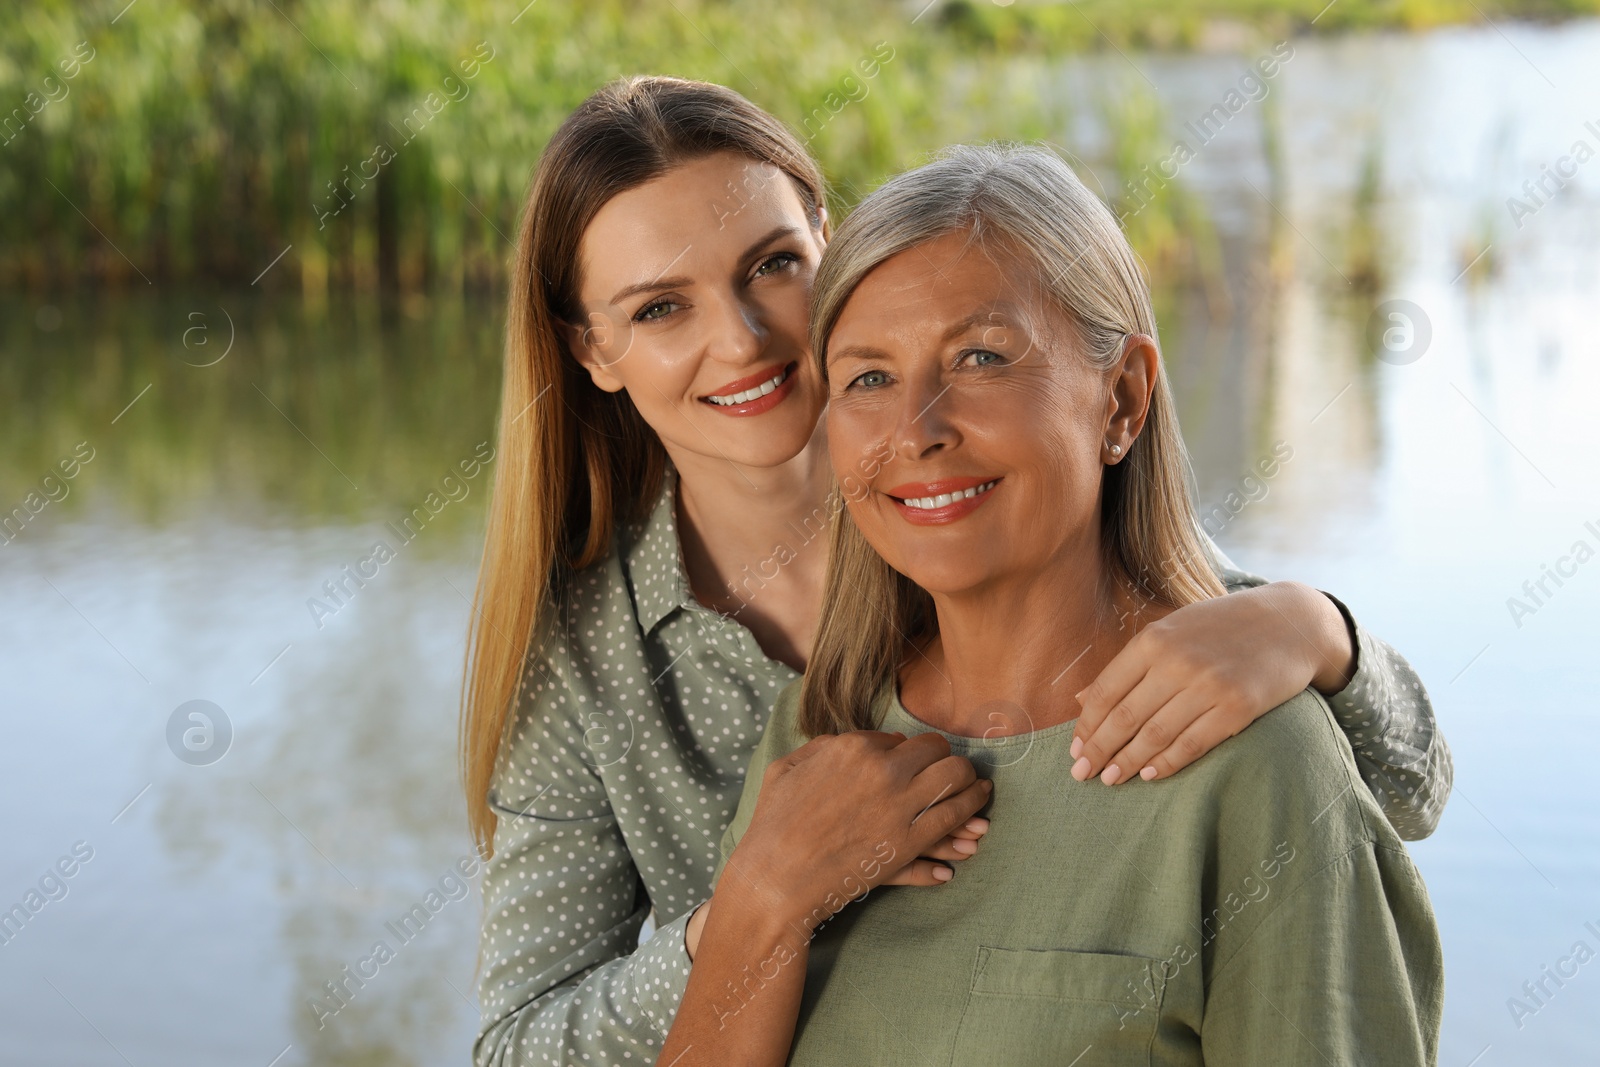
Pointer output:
x,y
1333,651
759,898
747,927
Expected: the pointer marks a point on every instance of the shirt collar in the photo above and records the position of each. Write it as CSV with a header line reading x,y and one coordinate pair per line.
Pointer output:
x,y
655,561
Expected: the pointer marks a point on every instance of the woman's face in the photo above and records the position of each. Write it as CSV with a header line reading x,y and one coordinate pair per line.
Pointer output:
x,y
695,286
949,359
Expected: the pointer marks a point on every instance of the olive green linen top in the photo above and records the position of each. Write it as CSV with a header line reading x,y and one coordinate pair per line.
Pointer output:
x,y
622,765
1254,909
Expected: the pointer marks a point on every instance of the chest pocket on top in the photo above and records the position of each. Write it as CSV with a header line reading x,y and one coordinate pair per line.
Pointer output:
x,y
1054,1007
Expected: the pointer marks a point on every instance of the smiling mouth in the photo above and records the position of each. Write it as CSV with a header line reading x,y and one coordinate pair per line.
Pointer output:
x,y
755,392
943,500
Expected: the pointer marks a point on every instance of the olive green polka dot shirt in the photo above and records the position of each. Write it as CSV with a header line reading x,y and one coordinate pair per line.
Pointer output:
x,y
623,764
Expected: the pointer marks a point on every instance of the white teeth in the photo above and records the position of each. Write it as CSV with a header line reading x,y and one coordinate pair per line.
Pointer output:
x,y
751,394
928,503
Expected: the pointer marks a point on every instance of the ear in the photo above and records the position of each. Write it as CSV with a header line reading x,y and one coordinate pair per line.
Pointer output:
x,y
1133,382
593,346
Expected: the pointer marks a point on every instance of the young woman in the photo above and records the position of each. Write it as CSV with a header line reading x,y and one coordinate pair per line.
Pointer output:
x,y
653,576
985,317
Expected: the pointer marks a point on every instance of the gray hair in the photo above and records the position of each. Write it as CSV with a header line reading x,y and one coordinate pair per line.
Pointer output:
x,y
1026,202
1021,197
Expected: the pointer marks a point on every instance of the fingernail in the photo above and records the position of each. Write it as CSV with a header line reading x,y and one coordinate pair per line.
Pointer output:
x,y
943,874
963,846
1148,773
1077,747
988,783
1111,775
1080,770
978,825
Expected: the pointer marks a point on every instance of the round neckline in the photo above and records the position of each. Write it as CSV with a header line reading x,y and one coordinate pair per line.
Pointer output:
x,y
895,708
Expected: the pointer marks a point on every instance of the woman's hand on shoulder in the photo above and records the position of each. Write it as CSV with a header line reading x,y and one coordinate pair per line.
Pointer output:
x,y
845,813
1193,679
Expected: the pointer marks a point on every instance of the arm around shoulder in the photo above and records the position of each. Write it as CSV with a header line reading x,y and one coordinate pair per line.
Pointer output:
x,y
1382,708
1386,714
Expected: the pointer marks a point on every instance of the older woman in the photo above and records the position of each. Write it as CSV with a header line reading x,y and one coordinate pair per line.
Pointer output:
x,y
983,322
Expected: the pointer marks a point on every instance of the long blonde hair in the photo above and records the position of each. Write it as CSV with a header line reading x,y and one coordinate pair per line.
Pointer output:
x,y
1028,202
575,463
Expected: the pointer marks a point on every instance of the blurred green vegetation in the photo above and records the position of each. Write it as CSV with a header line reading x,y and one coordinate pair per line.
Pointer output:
x,y
201,139
1051,26
194,142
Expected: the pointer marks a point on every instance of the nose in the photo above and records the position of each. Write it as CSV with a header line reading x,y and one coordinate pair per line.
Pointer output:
x,y
923,424
738,336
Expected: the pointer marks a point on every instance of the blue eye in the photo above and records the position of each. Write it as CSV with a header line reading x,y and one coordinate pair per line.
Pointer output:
x,y
862,380
983,357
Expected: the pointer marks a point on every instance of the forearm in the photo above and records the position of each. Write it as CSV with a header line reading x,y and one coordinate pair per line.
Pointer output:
x,y
614,1012
564,979
1384,711
1189,681
744,990
1316,619
1389,719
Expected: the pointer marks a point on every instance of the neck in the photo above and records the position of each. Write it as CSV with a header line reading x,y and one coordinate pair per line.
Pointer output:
x,y
1009,656
754,541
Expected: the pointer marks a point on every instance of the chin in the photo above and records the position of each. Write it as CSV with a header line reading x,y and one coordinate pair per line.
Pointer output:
x,y
770,440
765,444
944,574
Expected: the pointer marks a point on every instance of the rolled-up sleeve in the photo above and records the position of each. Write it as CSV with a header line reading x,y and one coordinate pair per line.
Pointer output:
x,y
1402,754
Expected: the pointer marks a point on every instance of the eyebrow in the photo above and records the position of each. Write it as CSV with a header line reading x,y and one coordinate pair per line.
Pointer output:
x,y
979,317
683,281
983,316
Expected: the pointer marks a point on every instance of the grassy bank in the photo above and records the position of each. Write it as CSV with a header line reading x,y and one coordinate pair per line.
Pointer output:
x,y
1187,24
342,145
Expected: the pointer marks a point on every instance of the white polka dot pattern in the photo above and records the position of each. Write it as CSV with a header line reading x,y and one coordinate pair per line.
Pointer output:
x,y
1387,716
620,770
1388,719
622,767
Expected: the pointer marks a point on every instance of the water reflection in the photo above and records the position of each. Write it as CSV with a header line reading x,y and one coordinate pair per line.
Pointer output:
x,y
193,556
315,414
187,559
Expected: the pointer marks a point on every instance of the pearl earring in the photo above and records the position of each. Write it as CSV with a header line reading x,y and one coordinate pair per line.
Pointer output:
x,y
1116,450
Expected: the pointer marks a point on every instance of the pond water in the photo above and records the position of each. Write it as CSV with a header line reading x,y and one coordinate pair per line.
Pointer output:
x,y
212,496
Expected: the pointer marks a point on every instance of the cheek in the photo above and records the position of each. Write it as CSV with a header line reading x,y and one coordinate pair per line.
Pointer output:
x,y
785,313
1069,455
657,370
855,434
874,516
786,307
1027,424
1049,438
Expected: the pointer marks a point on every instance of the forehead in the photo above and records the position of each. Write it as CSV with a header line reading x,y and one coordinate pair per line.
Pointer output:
x,y
694,218
930,286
